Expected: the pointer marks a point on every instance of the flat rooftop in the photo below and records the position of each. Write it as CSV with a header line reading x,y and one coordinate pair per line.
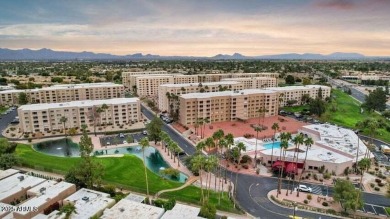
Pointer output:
x,y
51,192
89,202
79,104
85,85
246,79
203,84
227,93
291,88
130,209
135,198
8,172
337,139
10,91
52,215
3,206
16,183
181,211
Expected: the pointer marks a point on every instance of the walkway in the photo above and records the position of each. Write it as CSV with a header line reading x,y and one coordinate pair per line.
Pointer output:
x,y
190,180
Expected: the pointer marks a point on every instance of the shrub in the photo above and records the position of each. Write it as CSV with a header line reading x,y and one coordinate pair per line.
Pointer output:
x,y
309,196
306,201
315,176
12,128
372,185
381,184
246,159
325,204
245,166
258,171
330,211
377,189
29,140
208,211
378,180
327,175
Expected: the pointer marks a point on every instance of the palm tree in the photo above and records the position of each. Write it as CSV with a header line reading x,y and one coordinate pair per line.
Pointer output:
x,y
298,140
63,120
205,121
163,136
257,129
200,146
104,109
68,209
210,143
308,143
229,142
364,164
275,127
198,163
144,144
210,164
240,147
283,147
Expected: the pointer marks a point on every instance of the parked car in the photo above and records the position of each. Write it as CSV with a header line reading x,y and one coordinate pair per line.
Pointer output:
x,y
108,143
145,132
121,135
124,142
304,188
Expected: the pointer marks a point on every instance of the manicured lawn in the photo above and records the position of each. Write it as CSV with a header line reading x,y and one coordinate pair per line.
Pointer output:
x,y
3,109
126,172
388,210
348,113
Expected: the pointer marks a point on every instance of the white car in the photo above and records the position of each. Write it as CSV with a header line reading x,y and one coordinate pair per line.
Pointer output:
x,y
108,143
304,188
145,132
124,142
121,135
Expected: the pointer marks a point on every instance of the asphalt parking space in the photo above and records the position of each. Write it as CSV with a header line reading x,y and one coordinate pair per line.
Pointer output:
x,y
369,209
379,210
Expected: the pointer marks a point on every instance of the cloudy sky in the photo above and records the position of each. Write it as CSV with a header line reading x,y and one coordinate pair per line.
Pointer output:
x,y
198,27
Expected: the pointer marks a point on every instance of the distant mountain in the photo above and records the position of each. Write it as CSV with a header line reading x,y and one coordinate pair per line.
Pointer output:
x,y
48,54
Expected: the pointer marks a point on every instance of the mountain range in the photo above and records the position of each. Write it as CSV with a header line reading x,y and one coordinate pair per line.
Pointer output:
x,y
48,54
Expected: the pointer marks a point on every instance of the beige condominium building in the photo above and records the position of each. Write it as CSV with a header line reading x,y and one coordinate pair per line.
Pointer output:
x,y
65,93
127,76
147,86
219,77
255,82
226,105
46,117
294,94
168,93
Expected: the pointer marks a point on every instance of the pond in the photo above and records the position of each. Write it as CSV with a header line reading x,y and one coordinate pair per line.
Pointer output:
x,y
154,160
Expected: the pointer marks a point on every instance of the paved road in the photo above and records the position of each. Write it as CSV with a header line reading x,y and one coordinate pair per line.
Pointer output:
x,y
252,190
6,120
183,143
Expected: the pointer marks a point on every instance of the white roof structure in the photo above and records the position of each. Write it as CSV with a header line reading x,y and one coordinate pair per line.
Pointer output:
x,y
336,139
203,84
129,209
180,211
227,93
8,172
16,183
135,198
82,103
88,203
84,85
10,91
250,144
291,88
49,191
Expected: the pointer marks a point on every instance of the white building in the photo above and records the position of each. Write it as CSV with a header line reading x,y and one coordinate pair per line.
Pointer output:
x,y
8,172
89,203
129,209
46,117
180,211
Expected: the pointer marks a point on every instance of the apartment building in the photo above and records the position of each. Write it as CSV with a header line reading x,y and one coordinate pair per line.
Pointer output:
x,y
65,93
227,105
256,82
295,93
219,77
128,80
165,101
46,116
148,85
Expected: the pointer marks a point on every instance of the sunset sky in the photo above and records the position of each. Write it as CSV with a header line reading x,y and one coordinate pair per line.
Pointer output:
x,y
198,27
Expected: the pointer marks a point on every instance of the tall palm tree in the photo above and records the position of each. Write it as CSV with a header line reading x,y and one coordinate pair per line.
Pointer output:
x,y
210,143
240,147
205,121
275,127
63,120
67,209
144,144
298,140
283,147
210,164
163,137
257,129
364,164
308,143
229,142
104,109
198,163
200,146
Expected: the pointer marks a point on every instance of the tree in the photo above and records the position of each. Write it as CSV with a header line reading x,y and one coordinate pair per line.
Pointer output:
x,y
257,129
154,129
63,120
208,211
104,109
94,115
291,102
376,100
275,127
308,142
317,106
306,81
197,164
297,140
347,195
8,161
67,209
240,147
284,137
290,79
22,98
305,99
144,144
319,95
210,143
88,171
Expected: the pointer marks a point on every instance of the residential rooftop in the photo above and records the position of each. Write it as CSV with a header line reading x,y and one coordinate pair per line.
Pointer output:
x,y
88,203
180,211
81,103
227,93
203,84
291,88
16,183
8,172
4,206
135,198
130,209
53,215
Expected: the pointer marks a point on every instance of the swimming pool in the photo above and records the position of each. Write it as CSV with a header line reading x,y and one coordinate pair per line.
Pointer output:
x,y
268,146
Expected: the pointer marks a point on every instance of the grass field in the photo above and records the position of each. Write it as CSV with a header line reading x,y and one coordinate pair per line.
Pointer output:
x,y
126,172
3,109
388,210
295,108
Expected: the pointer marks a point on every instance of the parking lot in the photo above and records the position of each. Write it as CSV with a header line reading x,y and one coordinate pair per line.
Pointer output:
x,y
119,139
6,118
374,209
